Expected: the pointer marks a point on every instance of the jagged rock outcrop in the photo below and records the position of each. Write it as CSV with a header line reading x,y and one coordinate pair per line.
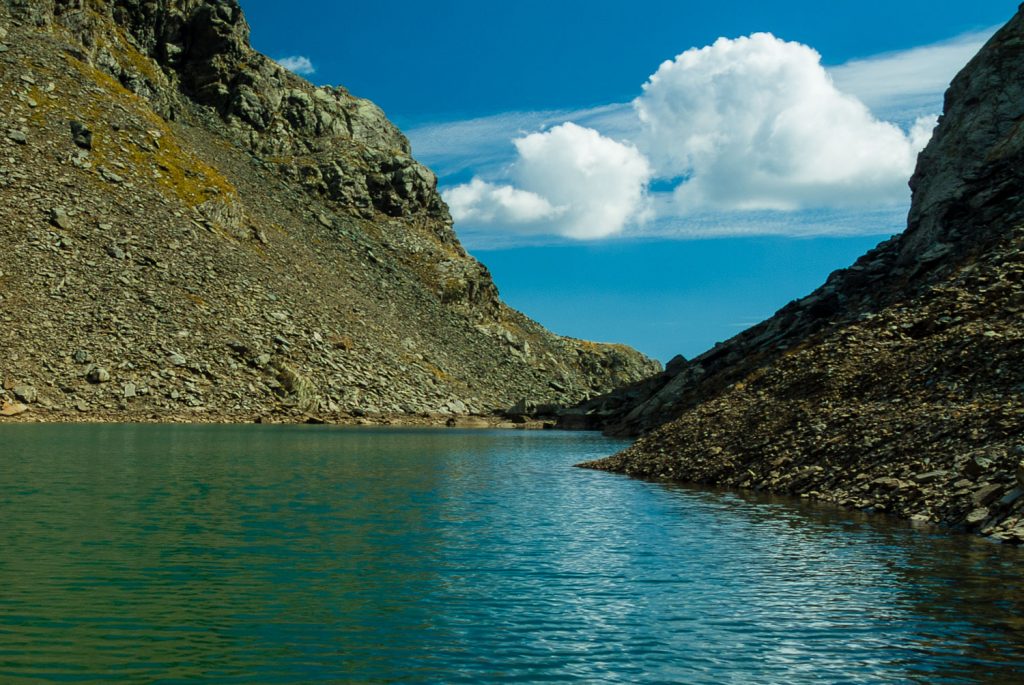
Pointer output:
x,y
897,386
191,231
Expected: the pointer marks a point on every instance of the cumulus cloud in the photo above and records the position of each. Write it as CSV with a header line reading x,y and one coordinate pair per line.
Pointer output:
x,y
298,64
756,123
569,180
745,136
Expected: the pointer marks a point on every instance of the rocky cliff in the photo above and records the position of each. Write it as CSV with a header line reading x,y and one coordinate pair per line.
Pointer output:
x,y
898,385
192,232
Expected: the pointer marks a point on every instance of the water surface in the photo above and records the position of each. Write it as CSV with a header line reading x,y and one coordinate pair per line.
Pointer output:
x,y
279,554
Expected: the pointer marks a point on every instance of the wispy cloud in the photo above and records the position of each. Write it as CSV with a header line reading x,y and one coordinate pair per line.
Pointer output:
x,y
900,86
298,64
804,150
485,144
808,223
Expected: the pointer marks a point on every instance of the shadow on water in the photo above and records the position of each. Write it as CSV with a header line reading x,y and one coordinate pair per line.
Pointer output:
x,y
303,554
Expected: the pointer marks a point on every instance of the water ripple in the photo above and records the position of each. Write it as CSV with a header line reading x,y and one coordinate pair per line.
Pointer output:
x,y
232,554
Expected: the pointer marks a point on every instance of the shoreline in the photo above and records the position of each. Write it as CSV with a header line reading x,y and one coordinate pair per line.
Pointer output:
x,y
823,499
58,417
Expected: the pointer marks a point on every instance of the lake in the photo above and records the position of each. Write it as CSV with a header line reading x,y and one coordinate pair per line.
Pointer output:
x,y
299,554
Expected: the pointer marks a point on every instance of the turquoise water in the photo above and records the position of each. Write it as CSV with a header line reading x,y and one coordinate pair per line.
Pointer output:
x,y
275,554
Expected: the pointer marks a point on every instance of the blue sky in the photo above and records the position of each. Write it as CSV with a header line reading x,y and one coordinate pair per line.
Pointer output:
x,y
626,175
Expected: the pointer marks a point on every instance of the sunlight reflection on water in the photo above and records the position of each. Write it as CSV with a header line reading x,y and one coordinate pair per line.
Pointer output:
x,y
297,554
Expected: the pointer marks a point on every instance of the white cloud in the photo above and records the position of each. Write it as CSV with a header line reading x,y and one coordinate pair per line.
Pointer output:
x,y
744,137
756,123
297,64
487,203
569,180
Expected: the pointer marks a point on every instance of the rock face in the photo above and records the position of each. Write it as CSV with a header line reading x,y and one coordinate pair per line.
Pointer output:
x,y
896,386
192,232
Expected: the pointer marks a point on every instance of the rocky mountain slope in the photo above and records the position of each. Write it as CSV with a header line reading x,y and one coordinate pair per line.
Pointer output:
x,y
898,385
192,232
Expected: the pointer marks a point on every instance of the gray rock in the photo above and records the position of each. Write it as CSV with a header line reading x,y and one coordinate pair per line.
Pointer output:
x,y
25,393
110,176
977,516
59,218
931,476
1010,498
935,253
115,252
523,407
973,468
81,357
18,137
177,359
456,406
98,374
986,494
80,135
129,390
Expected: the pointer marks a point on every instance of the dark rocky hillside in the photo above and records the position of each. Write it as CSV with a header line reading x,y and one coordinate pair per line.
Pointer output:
x,y
190,232
899,384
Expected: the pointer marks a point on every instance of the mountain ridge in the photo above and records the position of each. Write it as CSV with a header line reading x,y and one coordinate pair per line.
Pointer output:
x,y
195,233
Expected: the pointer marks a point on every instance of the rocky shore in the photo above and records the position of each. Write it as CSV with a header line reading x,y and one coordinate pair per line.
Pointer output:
x,y
899,385
464,421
